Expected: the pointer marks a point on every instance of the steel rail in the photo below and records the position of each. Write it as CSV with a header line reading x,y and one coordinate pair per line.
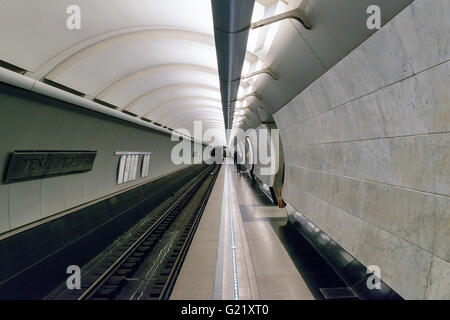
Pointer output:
x,y
167,289
116,265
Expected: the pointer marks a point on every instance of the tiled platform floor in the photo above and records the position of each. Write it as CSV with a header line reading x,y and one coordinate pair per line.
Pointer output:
x,y
237,223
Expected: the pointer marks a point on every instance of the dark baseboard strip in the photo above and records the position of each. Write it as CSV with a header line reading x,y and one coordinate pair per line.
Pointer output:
x,y
349,269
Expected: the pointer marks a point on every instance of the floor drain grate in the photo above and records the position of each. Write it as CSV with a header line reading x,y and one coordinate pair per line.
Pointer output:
x,y
338,293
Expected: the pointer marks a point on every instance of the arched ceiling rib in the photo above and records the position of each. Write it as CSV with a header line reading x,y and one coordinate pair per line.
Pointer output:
x,y
31,19
124,58
189,115
188,118
200,108
149,57
128,39
218,130
210,123
135,76
158,96
126,93
119,37
186,102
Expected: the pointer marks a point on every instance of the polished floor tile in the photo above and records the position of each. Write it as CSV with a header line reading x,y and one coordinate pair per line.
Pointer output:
x,y
236,248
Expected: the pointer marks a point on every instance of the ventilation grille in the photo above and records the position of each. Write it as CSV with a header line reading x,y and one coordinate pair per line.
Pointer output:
x,y
12,67
63,87
156,123
147,120
129,113
106,104
338,293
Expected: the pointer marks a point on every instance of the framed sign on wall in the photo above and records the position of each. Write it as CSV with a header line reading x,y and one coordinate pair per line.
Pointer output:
x,y
145,165
39,164
128,165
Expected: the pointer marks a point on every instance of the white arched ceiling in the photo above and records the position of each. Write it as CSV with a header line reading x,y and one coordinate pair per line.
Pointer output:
x,y
189,117
115,58
124,93
41,24
148,57
150,72
158,96
185,117
170,106
208,124
200,108
216,126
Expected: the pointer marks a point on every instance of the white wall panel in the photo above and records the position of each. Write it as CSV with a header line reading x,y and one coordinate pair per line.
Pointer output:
x,y
367,151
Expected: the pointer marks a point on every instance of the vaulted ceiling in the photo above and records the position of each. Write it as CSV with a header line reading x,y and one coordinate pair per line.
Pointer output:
x,y
156,59
152,59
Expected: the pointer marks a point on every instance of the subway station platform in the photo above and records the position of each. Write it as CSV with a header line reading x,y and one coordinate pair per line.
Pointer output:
x,y
236,253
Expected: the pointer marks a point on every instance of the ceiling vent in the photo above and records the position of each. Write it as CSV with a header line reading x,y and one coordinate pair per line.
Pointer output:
x,y
12,67
146,120
129,113
106,104
63,87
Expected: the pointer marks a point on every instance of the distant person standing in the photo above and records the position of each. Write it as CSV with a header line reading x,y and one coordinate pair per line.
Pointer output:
x,y
236,160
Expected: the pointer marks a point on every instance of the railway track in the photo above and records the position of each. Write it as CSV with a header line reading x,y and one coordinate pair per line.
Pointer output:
x,y
120,267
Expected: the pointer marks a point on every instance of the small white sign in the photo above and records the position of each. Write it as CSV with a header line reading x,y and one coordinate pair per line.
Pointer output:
x,y
128,166
145,166
121,169
134,168
126,175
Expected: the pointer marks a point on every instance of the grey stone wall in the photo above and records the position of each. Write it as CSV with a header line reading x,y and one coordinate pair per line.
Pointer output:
x,y
367,150
32,122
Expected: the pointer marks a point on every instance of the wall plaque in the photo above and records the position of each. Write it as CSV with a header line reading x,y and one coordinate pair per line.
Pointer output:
x,y
29,165
128,165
